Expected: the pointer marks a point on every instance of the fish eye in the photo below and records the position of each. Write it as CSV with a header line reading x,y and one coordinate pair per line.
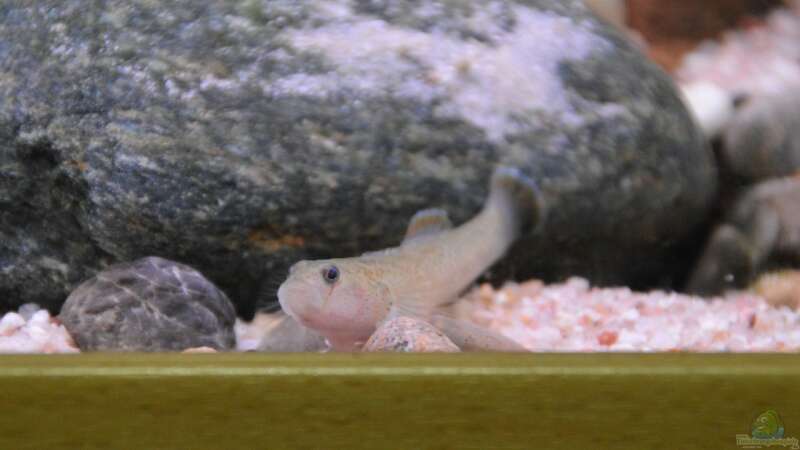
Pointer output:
x,y
330,274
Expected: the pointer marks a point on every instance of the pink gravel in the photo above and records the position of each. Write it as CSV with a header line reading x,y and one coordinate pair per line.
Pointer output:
x,y
570,317
575,317
33,330
761,59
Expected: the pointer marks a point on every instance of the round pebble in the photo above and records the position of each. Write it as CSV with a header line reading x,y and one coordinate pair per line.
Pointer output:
x,y
151,304
405,334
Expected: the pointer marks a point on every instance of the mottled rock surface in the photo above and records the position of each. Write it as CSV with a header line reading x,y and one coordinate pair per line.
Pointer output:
x,y
149,305
240,137
405,334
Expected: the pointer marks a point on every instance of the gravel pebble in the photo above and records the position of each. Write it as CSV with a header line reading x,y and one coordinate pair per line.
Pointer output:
x,y
405,334
33,330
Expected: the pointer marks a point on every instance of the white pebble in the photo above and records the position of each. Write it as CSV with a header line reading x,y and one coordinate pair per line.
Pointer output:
x,y
10,323
711,106
38,334
28,310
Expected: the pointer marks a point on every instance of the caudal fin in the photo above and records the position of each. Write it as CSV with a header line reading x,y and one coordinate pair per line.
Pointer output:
x,y
518,197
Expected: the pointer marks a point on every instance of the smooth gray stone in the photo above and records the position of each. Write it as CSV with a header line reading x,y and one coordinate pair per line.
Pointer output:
x,y
761,232
763,139
149,305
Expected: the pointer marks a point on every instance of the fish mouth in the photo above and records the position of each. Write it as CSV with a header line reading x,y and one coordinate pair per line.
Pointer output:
x,y
301,314
283,301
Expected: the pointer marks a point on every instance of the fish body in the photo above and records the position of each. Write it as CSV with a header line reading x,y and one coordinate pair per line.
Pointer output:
x,y
346,299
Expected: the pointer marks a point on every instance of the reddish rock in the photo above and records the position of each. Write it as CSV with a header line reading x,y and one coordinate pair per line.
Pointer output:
x,y
675,27
607,338
405,334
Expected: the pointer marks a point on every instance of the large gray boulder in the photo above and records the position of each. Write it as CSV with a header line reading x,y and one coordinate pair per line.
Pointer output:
x,y
239,137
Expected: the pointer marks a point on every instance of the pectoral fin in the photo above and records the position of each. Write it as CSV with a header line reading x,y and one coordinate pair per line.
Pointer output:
x,y
284,334
427,222
470,337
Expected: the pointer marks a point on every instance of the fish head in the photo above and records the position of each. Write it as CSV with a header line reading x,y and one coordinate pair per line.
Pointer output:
x,y
342,299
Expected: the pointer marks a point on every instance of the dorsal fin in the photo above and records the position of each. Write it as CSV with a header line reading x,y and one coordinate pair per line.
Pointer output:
x,y
426,223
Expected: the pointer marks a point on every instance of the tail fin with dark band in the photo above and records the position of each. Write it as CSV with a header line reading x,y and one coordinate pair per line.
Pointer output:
x,y
520,198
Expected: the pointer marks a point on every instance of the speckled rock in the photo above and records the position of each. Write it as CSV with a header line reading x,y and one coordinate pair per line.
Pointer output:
x,y
405,334
239,137
149,305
